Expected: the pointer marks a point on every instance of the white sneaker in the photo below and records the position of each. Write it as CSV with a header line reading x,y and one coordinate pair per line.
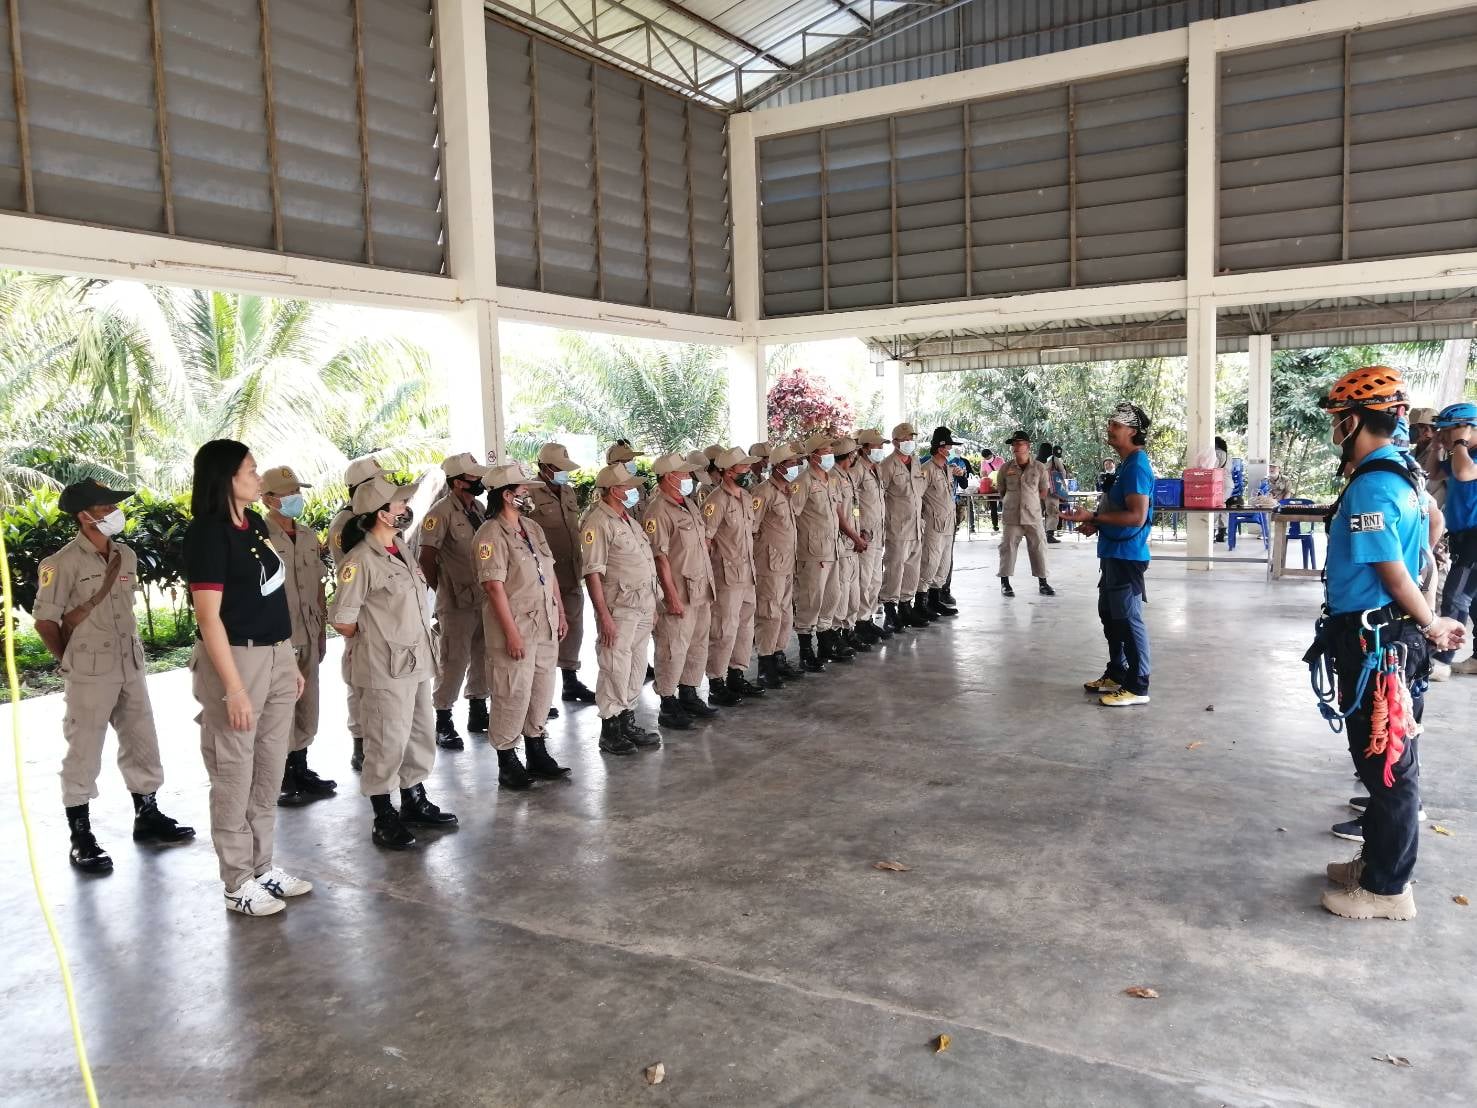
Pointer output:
x,y
1440,671
253,900
280,883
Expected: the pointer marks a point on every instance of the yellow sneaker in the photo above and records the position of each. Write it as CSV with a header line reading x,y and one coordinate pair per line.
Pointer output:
x,y
1102,685
1123,699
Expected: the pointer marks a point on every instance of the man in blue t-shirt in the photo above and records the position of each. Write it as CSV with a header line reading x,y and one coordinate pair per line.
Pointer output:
x,y
1455,427
1121,524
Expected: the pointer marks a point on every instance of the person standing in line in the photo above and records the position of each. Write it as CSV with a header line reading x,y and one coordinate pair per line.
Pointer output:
x,y
938,526
678,535
447,563
902,479
1050,456
620,574
989,463
729,514
244,673
524,621
84,616
555,508
307,603
844,591
1456,426
622,453
760,469
1122,528
380,604
873,522
1024,485
778,505
815,554
359,471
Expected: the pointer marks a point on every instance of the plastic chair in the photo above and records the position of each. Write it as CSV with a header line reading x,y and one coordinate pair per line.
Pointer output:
x,y
1236,519
1295,531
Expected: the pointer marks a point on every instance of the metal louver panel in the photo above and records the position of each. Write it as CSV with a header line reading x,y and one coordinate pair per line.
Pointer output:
x,y
791,183
931,235
712,242
621,179
858,206
565,130
510,109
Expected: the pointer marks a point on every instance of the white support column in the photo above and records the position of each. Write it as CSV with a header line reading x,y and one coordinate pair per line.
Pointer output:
x,y
468,353
743,204
892,396
748,389
1258,408
1200,416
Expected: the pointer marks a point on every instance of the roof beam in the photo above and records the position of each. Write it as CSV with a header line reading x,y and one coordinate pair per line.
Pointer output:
x,y
723,32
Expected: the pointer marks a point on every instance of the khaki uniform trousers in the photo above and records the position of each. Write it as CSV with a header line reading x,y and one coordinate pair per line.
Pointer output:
x,y
305,712
245,767
461,654
355,729
1010,542
399,737
682,647
122,701
731,637
869,585
522,690
623,664
574,615
811,582
843,590
774,612
901,562
1053,512
938,558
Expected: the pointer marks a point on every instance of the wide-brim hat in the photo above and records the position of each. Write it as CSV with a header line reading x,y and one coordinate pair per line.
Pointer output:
x,y
781,454
614,476
905,431
818,442
869,436
760,450
510,473
82,495
942,436
282,480
619,452
464,465
554,454
713,451
674,463
362,469
735,456
374,494
844,445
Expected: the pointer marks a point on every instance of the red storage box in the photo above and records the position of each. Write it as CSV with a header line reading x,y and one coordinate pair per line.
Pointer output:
x,y
1205,488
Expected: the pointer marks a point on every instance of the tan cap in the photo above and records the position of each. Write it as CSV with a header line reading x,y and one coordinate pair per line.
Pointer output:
x,y
614,476
798,446
845,445
1422,415
509,473
697,459
554,454
464,465
713,451
703,476
375,493
735,456
281,480
782,454
619,453
869,436
362,469
820,443
760,450
905,431
674,463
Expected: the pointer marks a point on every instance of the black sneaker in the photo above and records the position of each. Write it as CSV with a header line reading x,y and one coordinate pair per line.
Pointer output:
x,y
1353,830
1361,803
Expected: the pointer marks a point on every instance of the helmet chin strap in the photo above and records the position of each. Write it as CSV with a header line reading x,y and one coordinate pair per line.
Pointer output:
x,y
1346,448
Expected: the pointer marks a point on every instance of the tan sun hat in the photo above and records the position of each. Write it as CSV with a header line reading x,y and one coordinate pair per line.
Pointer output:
x,y
713,451
464,465
1422,415
820,443
760,450
362,469
844,445
620,453
614,476
782,454
674,463
509,473
734,456
554,454
282,480
869,436
375,493
905,431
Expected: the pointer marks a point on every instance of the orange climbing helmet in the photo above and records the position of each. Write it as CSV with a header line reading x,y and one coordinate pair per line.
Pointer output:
x,y
1373,387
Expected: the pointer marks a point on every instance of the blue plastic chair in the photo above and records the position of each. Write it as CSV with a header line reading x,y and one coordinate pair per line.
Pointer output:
x,y
1295,531
1235,519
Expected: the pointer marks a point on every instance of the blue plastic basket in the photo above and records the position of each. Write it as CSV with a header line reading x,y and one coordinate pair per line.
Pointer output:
x,y
1169,492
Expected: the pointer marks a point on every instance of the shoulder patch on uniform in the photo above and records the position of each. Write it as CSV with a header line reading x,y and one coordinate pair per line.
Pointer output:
x,y
349,572
1366,522
430,524
589,536
484,550
651,526
708,509
338,541
758,503
48,575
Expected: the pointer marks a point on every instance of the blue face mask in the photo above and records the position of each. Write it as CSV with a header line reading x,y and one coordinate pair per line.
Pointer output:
x,y
687,486
792,472
828,462
631,468
876,454
293,505
561,478
632,498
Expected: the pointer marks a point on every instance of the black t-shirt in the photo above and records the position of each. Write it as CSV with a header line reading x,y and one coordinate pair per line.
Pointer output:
x,y
235,561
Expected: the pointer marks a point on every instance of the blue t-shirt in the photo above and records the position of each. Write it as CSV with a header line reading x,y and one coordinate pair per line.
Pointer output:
x,y
1461,501
1135,475
1382,519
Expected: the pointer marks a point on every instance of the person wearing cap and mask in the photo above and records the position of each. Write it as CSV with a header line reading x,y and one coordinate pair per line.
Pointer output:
x,y
446,550
359,471
678,533
844,590
778,503
84,615
621,453
1429,452
380,605
938,526
729,515
554,506
702,480
525,621
301,554
620,574
1023,484
872,524
902,479
760,469
817,532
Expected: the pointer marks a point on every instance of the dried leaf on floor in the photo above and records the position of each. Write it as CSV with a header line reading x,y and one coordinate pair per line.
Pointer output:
x,y
941,1044
1403,1063
1143,992
1196,745
655,1074
1436,827
1210,707
1459,899
1281,829
891,867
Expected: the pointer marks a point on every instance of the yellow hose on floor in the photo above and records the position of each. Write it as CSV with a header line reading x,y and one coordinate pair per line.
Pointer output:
x,y
15,729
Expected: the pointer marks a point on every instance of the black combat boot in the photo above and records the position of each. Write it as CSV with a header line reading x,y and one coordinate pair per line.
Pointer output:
x,y
867,632
720,694
737,682
694,705
150,825
835,649
856,641
356,760
1005,589
540,762
769,673
575,690
637,734
910,616
937,605
784,668
311,783
1046,589
611,739
673,715
86,854
388,831
417,810
922,610
892,623
510,771
808,660
447,737
292,794
477,716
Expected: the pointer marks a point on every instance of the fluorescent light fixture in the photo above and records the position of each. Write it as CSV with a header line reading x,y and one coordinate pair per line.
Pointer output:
x,y
643,320
225,271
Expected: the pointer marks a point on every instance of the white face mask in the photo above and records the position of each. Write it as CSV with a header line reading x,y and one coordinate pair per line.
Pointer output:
x,y
907,447
111,524
876,454
293,505
631,468
561,478
792,472
828,462
687,486
632,498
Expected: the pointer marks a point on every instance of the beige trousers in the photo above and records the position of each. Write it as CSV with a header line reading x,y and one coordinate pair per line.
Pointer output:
x,y
811,581
870,583
681,647
522,690
938,559
900,567
1010,542
399,738
122,701
774,612
245,767
574,615
305,714
461,655
843,590
623,664
731,636
354,729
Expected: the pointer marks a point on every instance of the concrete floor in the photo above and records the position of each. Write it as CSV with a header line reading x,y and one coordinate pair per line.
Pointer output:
x,y
713,905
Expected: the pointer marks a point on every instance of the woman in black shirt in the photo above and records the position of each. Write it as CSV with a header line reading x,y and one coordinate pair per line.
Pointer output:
x,y
245,673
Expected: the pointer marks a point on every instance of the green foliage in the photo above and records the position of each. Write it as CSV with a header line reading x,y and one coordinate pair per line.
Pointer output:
x,y
33,531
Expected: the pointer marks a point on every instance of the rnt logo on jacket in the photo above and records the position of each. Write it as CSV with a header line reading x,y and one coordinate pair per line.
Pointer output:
x,y
1367,521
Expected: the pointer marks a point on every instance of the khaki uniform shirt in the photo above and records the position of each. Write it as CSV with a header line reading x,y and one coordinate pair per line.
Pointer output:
x,y
336,535
1021,489
555,508
938,497
902,485
679,533
301,556
105,646
775,533
522,558
870,498
385,595
851,508
816,525
616,548
730,519
449,530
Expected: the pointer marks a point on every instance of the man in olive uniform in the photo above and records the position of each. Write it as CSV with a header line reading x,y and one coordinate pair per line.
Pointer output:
x,y
555,508
873,523
1023,484
620,574
358,472
302,559
815,553
729,512
679,545
902,482
939,522
447,558
84,615
778,504
843,591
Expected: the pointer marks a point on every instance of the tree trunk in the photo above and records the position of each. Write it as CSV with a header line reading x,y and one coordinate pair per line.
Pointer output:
x,y
1453,371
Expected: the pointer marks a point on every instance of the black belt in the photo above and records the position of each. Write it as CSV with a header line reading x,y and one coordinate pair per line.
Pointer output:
x,y
254,642
1376,617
